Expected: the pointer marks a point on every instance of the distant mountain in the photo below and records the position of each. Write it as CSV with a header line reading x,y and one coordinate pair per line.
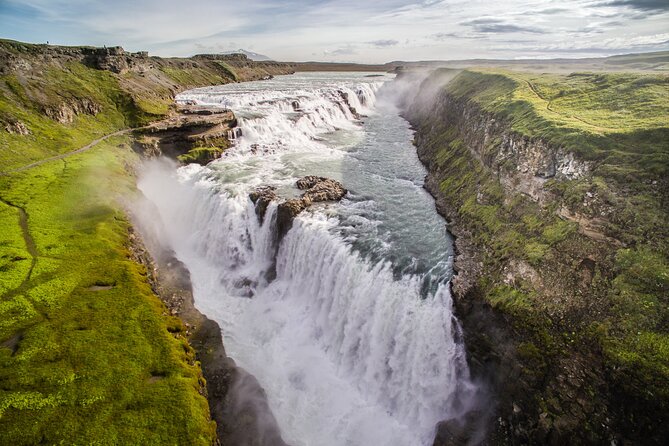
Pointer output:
x,y
250,54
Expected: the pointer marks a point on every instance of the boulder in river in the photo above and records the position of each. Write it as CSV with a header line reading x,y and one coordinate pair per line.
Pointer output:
x,y
316,189
322,189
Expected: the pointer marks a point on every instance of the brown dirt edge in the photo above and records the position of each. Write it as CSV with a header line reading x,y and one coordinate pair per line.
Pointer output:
x,y
237,402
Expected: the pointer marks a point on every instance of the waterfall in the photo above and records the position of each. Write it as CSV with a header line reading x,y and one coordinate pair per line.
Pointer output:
x,y
348,352
279,120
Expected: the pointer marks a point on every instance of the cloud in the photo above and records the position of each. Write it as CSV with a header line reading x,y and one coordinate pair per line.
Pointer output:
x,y
346,50
636,41
604,47
599,27
340,30
550,11
383,43
481,21
506,28
444,36
496,26
643,5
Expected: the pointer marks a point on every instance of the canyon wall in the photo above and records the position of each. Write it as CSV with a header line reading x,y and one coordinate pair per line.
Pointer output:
x,y
540,265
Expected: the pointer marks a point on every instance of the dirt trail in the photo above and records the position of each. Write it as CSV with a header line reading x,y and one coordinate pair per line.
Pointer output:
x,y
31,246
548,107
65,155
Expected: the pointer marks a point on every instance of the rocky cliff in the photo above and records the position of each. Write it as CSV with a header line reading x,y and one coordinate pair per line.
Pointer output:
x,y
52,80
552,316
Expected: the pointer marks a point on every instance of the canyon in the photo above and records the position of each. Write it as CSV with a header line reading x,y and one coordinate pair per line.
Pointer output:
x,y
533,314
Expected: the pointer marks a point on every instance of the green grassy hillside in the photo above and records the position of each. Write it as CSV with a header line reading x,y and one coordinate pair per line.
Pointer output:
x,y
616,119
89,355
25,100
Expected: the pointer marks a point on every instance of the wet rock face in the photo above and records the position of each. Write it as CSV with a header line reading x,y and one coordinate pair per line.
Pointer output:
x,y
249,419
184,135
262,197
344,96
237,401
316,189
308,182
286,212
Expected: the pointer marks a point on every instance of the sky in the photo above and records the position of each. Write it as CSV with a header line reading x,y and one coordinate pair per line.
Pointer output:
x,y
372,31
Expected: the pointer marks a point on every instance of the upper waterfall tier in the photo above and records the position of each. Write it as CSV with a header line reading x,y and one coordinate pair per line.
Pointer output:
x,y
289,119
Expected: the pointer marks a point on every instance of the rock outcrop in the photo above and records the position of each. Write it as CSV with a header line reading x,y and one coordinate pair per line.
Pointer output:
x,y
262,197
320,189
192,135
141,86
17,128
316,189
523,164
117,60
67,111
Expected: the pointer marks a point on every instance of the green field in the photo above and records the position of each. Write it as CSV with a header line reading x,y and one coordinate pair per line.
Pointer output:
x,y
618,120
90,356
88,353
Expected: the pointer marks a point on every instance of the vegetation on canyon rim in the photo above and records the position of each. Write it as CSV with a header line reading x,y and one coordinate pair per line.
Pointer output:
x,y
89,352
595,284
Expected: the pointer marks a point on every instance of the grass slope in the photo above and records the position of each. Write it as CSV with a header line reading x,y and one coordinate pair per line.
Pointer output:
x,y
88,354
89,358
26,99
616,119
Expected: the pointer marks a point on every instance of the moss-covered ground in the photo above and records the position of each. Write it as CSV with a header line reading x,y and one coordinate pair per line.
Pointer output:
x,y
88,353
201,155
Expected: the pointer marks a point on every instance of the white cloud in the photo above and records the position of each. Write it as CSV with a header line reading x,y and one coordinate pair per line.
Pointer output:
x,y
345,30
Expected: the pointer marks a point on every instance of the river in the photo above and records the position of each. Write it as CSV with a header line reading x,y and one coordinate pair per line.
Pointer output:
x,y
347,321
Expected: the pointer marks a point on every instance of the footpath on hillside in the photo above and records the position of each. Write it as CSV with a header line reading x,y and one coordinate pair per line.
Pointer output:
x,y
68,154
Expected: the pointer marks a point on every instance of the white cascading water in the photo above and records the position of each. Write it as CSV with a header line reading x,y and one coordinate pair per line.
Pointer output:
x,y
288,120
347,350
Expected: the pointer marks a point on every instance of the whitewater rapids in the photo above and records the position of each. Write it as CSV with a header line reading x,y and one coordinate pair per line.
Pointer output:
x,y
347,321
